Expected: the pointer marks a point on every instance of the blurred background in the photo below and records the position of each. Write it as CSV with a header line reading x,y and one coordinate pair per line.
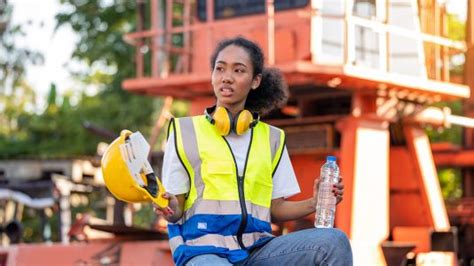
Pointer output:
x,y
382,84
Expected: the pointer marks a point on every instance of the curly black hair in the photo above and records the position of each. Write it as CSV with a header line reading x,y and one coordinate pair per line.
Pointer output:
x,y
273,90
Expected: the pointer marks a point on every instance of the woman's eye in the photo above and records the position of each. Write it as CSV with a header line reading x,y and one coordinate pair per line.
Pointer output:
x,y
220,69
239,70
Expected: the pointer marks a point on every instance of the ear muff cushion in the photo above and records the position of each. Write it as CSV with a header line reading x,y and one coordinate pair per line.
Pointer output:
x,y
222,121
242,122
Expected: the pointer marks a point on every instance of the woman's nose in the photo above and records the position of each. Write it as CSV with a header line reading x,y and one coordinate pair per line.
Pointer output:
x,y
227,77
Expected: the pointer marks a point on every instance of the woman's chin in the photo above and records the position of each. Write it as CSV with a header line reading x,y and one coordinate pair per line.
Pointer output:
x,y
226,101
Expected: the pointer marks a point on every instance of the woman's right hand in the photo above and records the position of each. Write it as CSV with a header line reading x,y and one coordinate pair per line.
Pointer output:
x,y
172,207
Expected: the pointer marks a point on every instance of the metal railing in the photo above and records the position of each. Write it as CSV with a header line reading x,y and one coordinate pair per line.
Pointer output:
x,y
147,41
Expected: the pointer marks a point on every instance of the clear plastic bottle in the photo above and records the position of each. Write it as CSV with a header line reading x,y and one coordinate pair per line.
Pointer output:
x,y
326,204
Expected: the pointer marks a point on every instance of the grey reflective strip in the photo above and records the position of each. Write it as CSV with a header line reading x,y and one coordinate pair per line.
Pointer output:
x,y
190,146
175,242
274,141
229,242
250,238
224,207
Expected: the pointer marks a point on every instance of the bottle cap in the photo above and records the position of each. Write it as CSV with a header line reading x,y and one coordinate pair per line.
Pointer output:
x,y
331,158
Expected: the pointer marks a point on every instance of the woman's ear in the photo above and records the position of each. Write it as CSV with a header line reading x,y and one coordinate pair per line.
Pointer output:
x,y
256,81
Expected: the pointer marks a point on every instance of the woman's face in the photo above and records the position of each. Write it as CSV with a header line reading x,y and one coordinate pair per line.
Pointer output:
x,y
232,78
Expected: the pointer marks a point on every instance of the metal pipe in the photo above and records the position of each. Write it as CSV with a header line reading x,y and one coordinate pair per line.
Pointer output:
x,y
440,117
271,31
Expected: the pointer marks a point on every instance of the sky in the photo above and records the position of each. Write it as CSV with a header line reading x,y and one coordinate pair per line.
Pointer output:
x,y
58,46
458,7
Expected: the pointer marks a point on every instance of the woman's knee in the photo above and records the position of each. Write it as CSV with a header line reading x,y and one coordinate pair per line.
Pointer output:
x,y
330,245
341,238
330,237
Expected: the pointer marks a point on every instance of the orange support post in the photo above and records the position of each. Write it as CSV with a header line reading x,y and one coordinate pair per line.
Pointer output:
x,y
364,214
419,146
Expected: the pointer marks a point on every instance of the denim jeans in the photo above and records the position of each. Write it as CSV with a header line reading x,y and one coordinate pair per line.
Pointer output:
x,y
306,247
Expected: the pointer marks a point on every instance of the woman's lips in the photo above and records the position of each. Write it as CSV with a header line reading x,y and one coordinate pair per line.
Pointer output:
x,y
226,91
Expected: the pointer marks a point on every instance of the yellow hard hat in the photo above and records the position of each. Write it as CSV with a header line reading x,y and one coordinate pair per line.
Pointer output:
x,y
127,173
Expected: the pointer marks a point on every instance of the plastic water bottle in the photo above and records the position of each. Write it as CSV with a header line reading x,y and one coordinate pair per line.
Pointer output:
x,y
326,204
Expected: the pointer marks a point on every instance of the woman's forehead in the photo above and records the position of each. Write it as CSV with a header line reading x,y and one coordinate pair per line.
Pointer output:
x,y
233,54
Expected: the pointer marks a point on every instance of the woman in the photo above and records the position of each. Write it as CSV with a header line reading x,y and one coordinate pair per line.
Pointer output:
x,y
227,175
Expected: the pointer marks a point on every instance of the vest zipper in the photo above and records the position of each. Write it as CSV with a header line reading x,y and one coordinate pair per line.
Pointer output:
x,y
243,206
240,184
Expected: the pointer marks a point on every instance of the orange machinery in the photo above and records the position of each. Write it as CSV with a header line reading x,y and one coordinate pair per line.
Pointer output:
x,y
362,76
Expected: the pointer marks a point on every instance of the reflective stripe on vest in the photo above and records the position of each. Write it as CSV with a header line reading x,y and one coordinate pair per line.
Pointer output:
x,y
212,211
218,240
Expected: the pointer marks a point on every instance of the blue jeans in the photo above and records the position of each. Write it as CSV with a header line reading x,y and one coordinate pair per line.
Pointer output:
x,y
306,247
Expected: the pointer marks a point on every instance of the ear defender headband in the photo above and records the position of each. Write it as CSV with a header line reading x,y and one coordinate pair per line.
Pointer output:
x,y
222,119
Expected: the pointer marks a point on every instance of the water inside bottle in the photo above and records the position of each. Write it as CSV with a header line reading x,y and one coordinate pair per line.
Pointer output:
x,y
326,206
324,218
326,202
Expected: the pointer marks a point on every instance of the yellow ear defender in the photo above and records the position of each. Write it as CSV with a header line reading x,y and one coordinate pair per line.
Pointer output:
x,y
222,119
242,122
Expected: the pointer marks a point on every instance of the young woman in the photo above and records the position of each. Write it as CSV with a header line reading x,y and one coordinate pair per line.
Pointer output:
x,y
227,176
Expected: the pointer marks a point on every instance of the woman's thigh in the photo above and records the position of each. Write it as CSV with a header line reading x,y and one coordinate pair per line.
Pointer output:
x,y
208,259
306,247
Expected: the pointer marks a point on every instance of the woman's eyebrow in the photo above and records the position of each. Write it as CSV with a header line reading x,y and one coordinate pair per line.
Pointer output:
x,y
240,64
236,63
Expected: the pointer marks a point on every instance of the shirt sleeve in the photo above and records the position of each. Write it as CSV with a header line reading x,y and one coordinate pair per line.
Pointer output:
x,y
285,183
174,176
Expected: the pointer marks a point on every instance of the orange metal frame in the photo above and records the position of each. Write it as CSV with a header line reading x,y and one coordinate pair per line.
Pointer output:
x,y
388,189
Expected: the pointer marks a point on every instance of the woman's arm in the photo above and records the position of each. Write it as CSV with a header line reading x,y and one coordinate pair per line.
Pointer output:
x,y
176,180
283,210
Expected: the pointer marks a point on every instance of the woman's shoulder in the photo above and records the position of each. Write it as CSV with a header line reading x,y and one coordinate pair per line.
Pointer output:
x,y
272,127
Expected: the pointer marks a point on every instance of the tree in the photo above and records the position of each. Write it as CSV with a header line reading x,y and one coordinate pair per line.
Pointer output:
x,y
101,25
17,97
57,131
12,59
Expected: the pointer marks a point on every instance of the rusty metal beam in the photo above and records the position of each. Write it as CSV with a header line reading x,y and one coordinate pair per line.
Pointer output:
x,y
464,158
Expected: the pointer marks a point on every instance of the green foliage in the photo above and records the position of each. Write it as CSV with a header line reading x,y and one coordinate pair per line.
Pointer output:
x,y
456,28
456,31
13,104
452,134
52,97
144,217
58,131
55,133
450,181
100,26
31,226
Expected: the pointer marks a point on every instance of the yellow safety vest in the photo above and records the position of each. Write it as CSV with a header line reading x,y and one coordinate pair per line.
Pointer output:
x,y
224,213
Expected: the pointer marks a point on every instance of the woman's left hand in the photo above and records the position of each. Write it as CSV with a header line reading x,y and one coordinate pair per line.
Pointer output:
x,y
337,189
